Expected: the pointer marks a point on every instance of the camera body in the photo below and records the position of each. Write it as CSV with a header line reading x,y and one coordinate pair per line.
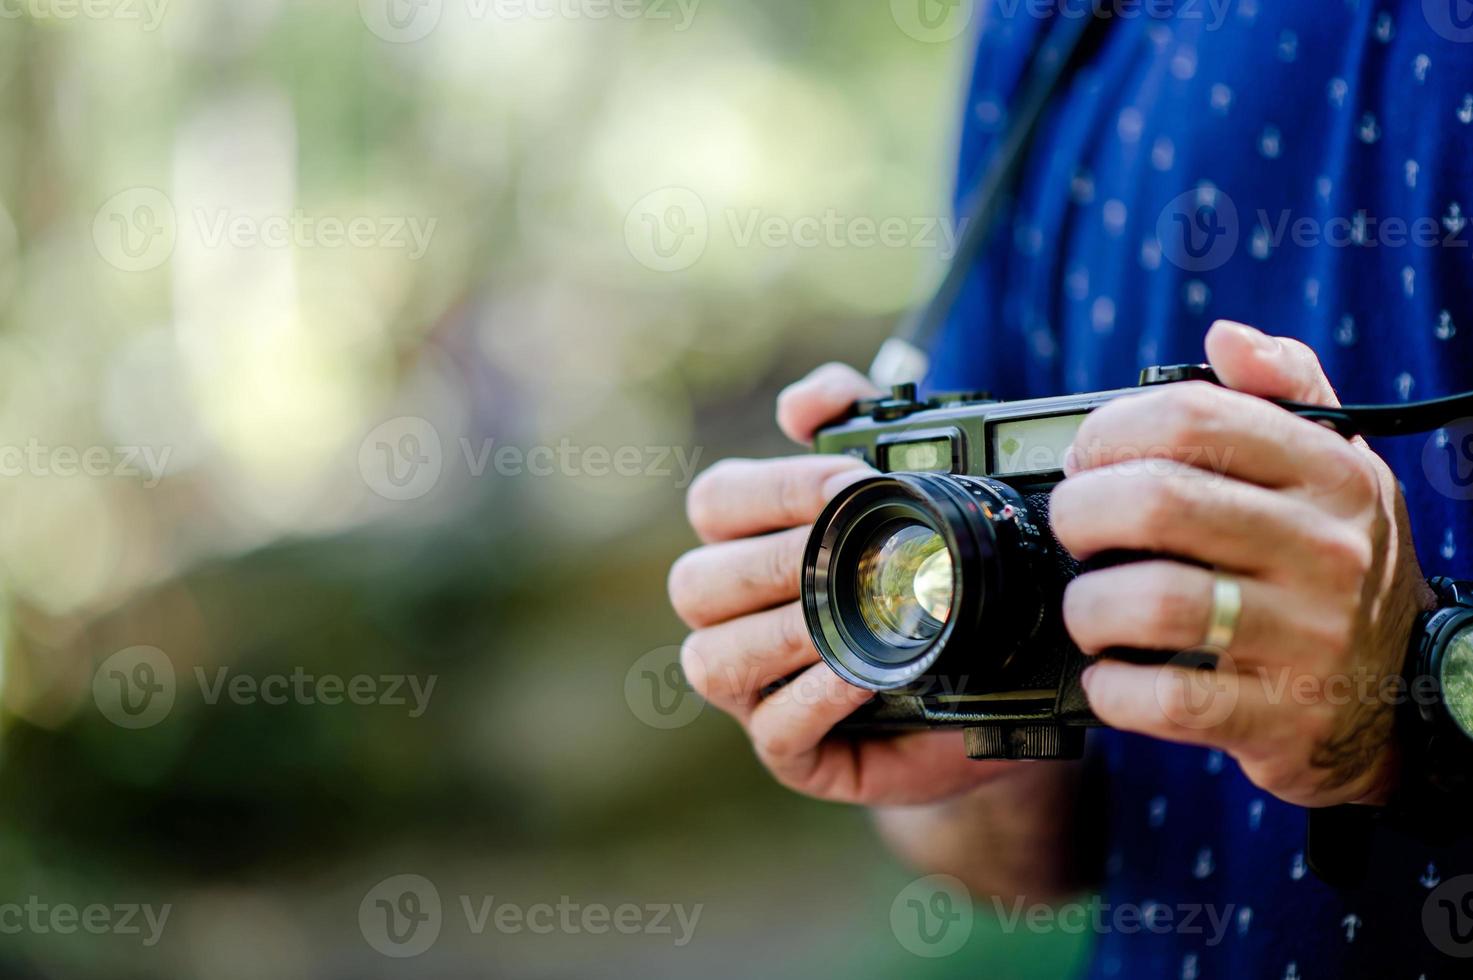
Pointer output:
x,y
986,652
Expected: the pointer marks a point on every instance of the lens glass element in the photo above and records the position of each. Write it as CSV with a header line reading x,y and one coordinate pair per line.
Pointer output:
x,y
905,584
1457,679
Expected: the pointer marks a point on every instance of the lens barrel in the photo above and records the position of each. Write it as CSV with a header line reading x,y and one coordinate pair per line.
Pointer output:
x,y
875,595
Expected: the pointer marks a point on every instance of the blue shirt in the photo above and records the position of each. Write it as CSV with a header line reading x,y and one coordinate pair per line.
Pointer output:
x,y
1305,166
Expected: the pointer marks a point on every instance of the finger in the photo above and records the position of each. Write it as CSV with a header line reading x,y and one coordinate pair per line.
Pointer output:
x,y
787,727
1251,361
1224,432
805,406
737,498
1219,708
712,584
920,767
730,664
1164,605
1168,507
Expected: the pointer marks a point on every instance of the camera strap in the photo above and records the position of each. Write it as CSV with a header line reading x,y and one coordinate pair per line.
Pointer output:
x,y
903,357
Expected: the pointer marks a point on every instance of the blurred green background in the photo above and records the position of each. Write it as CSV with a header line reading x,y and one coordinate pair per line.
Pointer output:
x,y
289,275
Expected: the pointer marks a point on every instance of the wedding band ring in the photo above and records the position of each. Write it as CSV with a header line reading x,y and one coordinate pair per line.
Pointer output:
x,y
1227,607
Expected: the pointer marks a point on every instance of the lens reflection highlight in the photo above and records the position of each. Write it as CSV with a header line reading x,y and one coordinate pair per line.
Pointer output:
x,y
905,584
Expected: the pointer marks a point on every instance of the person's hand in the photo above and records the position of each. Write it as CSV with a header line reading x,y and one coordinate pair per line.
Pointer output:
x,y
739,593
1315,531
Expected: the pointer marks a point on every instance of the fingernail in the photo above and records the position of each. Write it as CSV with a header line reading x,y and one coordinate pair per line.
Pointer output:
x,y
1086,679
839,481
1260,340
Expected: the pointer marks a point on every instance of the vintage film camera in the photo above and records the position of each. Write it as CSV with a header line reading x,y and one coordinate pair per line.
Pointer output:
x,y
940,585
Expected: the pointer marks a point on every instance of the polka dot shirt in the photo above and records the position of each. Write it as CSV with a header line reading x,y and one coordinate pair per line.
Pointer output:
x,y
1305,166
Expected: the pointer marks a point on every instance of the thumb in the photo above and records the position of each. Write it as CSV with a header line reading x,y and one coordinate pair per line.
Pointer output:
x,y
805,406
1253,362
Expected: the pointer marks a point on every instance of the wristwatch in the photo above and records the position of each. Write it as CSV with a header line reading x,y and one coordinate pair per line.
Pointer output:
x,y
1437,741
1435,735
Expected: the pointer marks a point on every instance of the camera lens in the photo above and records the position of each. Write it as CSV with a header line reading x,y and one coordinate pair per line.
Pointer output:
x,y
905,587
915,578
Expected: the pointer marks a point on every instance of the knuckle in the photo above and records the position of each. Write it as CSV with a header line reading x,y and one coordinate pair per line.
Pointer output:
x,y
783,564
797,496
791,632
1191,411
1161,505
772,744
1329,637
1363,479
1348,557
1167,609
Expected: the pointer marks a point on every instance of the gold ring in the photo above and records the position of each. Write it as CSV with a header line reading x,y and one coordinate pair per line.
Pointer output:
x,y
1227,607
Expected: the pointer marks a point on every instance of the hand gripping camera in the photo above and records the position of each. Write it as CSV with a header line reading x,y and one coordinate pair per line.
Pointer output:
x,y
939,584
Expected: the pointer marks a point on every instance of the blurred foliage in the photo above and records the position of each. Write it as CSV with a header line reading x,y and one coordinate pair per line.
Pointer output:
x,y
529,320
